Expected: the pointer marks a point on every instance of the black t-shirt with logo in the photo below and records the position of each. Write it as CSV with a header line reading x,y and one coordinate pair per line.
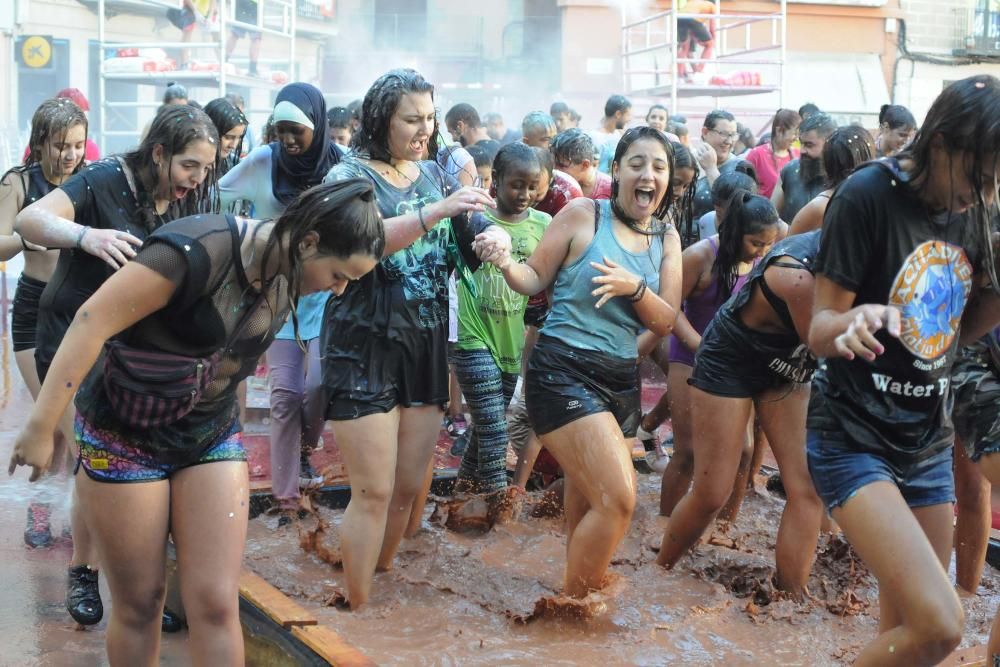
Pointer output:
x,y
881,242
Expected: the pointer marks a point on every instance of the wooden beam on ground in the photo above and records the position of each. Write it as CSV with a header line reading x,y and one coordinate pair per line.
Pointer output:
x,y
282,609
331,647
974,656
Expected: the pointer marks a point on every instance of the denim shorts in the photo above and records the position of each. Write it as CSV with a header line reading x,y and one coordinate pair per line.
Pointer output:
x,y
839,470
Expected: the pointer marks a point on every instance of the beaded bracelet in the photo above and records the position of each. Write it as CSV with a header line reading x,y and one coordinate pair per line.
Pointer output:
x,y
639,292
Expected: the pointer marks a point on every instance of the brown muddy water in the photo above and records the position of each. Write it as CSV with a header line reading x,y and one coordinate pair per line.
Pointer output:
x,y
471,599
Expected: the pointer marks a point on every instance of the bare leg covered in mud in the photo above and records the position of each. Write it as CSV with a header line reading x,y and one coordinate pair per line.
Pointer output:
x,y
386,456
721,427
677,475
782,416
417,512
989,467
600,496
907,550
972,522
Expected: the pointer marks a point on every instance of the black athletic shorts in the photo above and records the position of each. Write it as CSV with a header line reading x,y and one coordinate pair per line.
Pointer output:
x,y
734,361
685,27
564,384
976,385
246,12
24,313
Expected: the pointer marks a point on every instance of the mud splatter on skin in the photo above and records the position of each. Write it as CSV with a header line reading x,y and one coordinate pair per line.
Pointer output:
x,y
449,590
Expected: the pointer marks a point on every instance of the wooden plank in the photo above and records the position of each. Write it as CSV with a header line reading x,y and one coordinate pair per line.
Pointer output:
x,y
273,602
331,647
974,656
260,486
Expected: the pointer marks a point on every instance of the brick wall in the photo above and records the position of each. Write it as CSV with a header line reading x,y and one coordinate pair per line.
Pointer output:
x,y
936,26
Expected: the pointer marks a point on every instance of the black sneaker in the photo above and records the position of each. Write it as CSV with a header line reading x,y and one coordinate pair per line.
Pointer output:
x,y
171,622
37,532
459,444
83,597
308,477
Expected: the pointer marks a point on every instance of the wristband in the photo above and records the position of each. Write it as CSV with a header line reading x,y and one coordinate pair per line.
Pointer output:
x,y
639,292
420,216
79,239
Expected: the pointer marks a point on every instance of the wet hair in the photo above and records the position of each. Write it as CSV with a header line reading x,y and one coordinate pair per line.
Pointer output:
x,y
575,116
655,107
573,146
174,91
821,123
481,156
196,104
345,216
726,185
745,135
537,119
53,118
236,100
896,116
267,133
545,160
355,108
808,109
559,108
714,116
338,117
615,104
746,213
465,113
631,136
512,155
683,208
680,129
846,149
784,119
380,103
966,117
175,127
225,116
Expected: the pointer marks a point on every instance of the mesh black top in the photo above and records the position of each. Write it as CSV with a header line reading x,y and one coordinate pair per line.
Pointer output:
x,y
214,302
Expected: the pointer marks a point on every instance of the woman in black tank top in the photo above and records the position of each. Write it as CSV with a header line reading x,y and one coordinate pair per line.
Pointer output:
x,y
752,357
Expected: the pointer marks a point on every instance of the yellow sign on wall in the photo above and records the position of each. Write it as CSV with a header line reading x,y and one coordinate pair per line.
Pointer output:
x,y
36,51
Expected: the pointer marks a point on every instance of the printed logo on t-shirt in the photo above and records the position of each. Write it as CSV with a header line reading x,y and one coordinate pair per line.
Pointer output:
x,y
930,290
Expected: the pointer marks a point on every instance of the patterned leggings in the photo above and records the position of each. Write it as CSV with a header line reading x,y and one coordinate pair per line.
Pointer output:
x,y
487,390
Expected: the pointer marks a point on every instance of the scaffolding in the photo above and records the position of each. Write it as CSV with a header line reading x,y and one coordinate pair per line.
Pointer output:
x,y
275,18
651,64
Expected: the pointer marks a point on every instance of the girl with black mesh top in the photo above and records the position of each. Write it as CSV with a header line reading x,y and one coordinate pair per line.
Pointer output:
x,y
97,219
206,293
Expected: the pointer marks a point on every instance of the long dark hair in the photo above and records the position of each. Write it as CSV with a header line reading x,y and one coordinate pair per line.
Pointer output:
x,y
345,216
746,213
225,116
380,103
845,150
683,208
630,137
966,115
175,127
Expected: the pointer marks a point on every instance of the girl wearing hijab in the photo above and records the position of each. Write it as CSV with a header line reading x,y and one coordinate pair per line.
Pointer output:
x,y
270,178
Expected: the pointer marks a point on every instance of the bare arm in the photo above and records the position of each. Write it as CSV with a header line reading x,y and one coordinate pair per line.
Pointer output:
x,y
659,312
778,196
539,270
49,223
128,296
810,217
11,201
796,287
697,261
838,330
403,230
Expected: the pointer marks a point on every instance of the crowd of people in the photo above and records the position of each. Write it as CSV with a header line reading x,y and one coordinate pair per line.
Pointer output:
x,y
821,291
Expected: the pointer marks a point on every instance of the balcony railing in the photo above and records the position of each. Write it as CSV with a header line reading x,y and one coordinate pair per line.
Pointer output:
x,y
982,36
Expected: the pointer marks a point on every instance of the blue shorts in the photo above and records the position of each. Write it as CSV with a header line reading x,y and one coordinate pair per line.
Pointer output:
x,y
839,470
